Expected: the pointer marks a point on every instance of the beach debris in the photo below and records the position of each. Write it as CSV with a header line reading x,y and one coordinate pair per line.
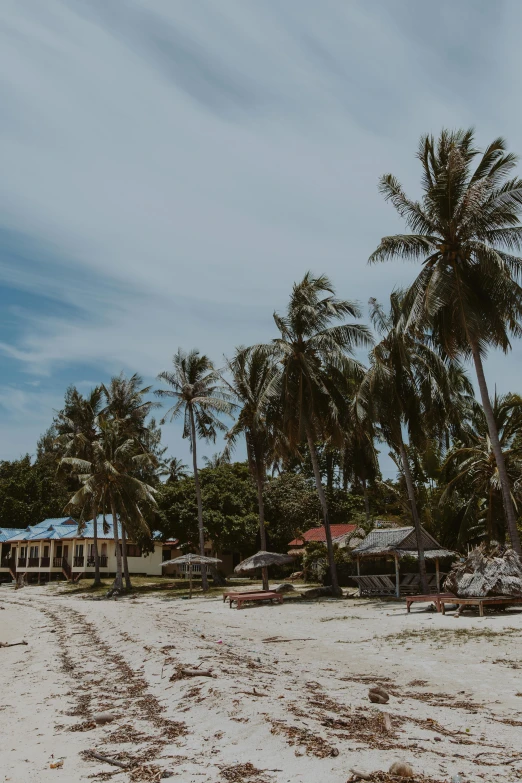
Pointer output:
x,y
284,587
13,644
402,769
486,573
387,721
358,775
56,764
317,592
182,673
101,718
378,695
107,759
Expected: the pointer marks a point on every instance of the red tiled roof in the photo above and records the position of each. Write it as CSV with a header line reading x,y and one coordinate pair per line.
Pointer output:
x,y
319,534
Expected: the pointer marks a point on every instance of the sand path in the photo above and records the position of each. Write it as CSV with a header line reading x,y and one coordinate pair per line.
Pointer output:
x,y
296,710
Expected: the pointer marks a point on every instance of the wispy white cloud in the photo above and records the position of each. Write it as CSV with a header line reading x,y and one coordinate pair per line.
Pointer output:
x,y
169,169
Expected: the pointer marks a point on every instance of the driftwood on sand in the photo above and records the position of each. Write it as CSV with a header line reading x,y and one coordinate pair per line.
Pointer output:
x,y
11,644
486,574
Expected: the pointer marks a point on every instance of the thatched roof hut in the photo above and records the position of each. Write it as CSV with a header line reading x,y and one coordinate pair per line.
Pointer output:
x,y
397,543
262,560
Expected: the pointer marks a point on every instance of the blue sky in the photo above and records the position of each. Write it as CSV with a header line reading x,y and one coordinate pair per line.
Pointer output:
x,y
170,168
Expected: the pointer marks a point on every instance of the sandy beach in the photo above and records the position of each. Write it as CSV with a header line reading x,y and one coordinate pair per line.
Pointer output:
x,y
288,699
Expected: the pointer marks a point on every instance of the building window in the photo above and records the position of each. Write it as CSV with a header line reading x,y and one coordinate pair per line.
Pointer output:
x,y
166,554
34,552
133,550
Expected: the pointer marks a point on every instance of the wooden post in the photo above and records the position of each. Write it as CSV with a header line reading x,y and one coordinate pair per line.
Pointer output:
x,y
437,574
397,585
190,579
358,566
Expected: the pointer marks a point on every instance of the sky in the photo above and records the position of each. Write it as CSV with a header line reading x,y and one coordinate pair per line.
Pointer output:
x,y
169,168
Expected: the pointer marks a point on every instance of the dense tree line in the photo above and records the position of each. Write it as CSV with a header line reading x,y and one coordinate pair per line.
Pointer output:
x,y
311,415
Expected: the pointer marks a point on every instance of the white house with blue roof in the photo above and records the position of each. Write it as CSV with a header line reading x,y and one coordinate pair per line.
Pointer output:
x,y
55,548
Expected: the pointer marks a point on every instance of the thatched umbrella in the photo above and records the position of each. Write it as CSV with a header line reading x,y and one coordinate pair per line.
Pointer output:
x,y
190,560
262,560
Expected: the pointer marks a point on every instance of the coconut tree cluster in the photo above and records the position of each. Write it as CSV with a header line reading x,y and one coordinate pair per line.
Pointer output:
x,y
330,390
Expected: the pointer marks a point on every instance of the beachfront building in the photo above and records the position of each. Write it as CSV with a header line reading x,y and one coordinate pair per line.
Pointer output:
x,y
344,536
55,549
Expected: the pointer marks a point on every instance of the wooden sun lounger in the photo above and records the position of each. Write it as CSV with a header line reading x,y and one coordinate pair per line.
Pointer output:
x,y
497,600
240,598
435,598
229,593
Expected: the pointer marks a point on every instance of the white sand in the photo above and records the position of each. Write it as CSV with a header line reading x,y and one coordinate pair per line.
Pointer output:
x,y
114,660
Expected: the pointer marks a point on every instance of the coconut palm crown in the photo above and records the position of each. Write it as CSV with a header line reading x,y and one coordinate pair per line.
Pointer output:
x,y
466,231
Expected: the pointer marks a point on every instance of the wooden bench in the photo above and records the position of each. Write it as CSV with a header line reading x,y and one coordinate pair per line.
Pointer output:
x,y
435,598
496,600
241,598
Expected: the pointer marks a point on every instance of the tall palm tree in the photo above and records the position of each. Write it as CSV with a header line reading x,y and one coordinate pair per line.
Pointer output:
x,y
109,481
471,471
315,353
200,397
405,389
465,231
255,384
126,404
77,425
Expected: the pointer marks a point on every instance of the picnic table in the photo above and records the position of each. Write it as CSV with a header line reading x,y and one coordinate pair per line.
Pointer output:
x,y
496,600
259,595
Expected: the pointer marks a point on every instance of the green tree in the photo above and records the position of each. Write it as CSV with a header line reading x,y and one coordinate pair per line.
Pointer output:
x,y
315,352
255,385
77,430
465,231
200,399
127,405
31,492
109,481
471,470
404,387
229,508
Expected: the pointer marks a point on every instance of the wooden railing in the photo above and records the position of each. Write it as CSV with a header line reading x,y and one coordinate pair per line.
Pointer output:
x,y
78,562
57,562
103,561
22,562
45,562
33,562
6,562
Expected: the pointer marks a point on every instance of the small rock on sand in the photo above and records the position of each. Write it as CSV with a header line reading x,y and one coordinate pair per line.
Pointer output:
x,y
104,717
378,695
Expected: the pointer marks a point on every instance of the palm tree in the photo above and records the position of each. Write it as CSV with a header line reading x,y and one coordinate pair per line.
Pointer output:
x,y
471,471
315,352
176,470
126,404
200,398
255,384
359,458
77,425
109,481
406,388
464,231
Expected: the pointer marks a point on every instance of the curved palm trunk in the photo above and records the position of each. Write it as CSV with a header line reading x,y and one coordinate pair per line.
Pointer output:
x,y
507,500
366,500
97,580
118,579
204,579
262,529
322,499
128,584
415,515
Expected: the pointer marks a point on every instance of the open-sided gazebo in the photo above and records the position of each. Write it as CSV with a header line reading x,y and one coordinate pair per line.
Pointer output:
x,y
397,543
